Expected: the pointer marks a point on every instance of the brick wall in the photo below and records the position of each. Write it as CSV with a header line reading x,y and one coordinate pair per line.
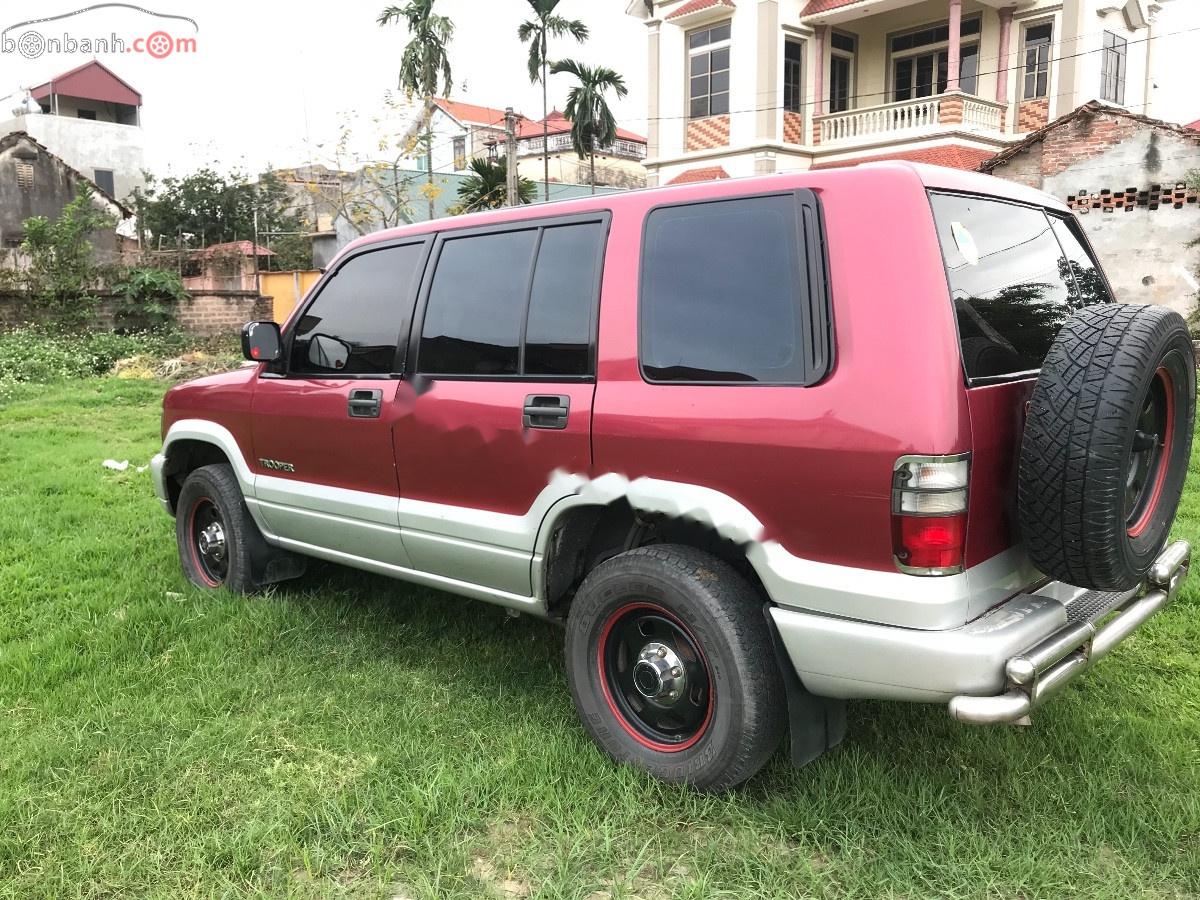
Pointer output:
x,y
793,128
202,315
707,134
221,313
1033,114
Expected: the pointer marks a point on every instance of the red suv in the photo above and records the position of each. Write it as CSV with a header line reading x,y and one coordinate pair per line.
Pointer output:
x,y
762,446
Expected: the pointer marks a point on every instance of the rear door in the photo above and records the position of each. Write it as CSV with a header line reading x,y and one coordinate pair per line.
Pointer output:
x,y
322,425
498,415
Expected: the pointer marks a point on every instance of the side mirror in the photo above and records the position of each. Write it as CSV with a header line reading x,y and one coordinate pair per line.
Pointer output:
x,y
261,342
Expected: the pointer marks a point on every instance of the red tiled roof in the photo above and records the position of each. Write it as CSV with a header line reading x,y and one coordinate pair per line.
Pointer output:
x,y
470,114
691,176
695,6
1195,126
90,81
559,124
967,158
820,6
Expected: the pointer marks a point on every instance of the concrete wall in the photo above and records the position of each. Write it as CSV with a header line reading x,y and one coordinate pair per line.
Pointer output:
x,y
51,187
88,146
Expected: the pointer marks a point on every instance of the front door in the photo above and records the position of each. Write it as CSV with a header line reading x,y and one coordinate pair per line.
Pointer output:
x,y
324,469
495,426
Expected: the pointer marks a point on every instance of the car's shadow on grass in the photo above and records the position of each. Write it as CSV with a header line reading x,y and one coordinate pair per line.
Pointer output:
x,y
1101,738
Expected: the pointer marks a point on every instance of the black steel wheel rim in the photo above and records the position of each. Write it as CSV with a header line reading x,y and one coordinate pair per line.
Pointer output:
x,y
212,560
666,722
1148,452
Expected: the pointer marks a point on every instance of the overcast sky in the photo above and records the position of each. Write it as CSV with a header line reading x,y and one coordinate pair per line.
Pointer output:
x,y
271,82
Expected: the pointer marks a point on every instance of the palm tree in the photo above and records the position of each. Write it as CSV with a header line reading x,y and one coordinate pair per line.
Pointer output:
x,y
425,64
592,122
487,188
537,32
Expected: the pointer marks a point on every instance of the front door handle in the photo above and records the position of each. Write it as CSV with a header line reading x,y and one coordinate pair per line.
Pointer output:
x,y
547,411
365,404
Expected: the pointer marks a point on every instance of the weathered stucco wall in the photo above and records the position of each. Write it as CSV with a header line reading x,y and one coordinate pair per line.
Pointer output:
x,y
88,145
1144,249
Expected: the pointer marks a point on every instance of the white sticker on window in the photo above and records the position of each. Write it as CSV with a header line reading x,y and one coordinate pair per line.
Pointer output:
x,y
966,243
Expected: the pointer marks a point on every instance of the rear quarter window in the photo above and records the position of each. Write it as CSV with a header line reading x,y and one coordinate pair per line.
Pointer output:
x,y
1016,273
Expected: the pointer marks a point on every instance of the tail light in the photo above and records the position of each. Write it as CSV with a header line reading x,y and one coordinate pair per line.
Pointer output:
x,y
929,513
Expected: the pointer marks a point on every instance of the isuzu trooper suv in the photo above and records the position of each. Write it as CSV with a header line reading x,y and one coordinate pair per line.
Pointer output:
x,y
761,445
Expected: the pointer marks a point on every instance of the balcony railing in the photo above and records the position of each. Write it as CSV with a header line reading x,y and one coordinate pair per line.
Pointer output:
x,y
910,117
560,143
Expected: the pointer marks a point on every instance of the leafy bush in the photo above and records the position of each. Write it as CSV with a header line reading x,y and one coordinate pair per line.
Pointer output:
x,y
146,298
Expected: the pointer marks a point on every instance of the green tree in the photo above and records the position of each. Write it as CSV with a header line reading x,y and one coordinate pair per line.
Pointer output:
x,y
424,65
63,274
207,208
592,122
487,188
537,33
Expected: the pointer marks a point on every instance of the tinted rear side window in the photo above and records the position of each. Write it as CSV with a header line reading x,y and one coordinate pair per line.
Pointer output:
x,y
1011,285
723,293
353,325
473,318
558,336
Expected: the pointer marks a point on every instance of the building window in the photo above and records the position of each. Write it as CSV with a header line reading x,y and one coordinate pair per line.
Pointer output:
x,y
921,60
1112,72
793,76
85,114
708,70
460,153
1037,60
104,181
842,48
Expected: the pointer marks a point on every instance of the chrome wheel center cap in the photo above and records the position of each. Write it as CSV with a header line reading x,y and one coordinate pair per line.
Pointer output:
x,y
659,674
211,542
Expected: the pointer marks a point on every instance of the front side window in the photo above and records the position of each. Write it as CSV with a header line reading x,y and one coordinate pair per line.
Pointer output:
x,y
793,75
841,70
708,71
722,293
514,303
1112,73
1012,283
460,154
1037,60
354,324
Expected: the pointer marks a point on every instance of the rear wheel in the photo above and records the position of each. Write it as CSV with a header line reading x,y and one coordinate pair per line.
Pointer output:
x,y
672,669
219,544
1107,443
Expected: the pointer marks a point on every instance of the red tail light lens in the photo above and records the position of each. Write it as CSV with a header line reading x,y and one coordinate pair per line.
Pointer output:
x,y
929,513
931,542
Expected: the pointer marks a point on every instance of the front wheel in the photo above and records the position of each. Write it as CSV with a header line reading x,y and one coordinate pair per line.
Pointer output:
x,y
219,544
672,669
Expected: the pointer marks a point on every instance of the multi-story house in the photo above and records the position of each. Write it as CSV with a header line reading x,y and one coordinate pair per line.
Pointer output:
x,y
91,119
739,87
618,164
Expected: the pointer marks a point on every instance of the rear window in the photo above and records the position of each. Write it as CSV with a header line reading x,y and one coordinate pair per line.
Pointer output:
x,y
1016,274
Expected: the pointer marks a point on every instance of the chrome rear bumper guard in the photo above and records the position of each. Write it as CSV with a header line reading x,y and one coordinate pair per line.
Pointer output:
x,y
1039,673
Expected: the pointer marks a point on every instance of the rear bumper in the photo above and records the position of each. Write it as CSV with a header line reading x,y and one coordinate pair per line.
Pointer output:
x,y
994,669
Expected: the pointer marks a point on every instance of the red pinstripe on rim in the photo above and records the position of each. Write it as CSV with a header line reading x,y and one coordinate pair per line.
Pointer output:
x,y
193,543
1164,458
620,716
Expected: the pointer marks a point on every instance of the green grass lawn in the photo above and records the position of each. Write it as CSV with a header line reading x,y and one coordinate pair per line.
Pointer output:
x,y
352,736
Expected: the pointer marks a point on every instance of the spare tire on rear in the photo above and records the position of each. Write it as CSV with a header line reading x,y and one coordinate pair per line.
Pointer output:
x,y
1106,446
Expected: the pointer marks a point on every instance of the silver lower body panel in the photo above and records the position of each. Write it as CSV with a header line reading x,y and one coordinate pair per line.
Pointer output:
x,y
1054,632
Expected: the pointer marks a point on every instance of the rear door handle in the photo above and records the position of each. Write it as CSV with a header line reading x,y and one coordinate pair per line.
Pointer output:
x,y
547,411
365,404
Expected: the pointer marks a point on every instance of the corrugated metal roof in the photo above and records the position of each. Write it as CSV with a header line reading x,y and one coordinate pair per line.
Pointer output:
x,y
91,81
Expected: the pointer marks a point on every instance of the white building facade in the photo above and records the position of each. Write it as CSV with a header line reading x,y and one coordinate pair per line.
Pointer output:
x,y
741,87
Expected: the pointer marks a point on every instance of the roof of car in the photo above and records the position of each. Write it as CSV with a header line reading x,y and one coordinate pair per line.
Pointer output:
x,y
932,177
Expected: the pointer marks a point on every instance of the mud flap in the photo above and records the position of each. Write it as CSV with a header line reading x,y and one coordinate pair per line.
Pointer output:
x,y
815,724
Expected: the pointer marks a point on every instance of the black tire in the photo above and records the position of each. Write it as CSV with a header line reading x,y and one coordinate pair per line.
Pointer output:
x,y
732,710
212,494
1106,445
